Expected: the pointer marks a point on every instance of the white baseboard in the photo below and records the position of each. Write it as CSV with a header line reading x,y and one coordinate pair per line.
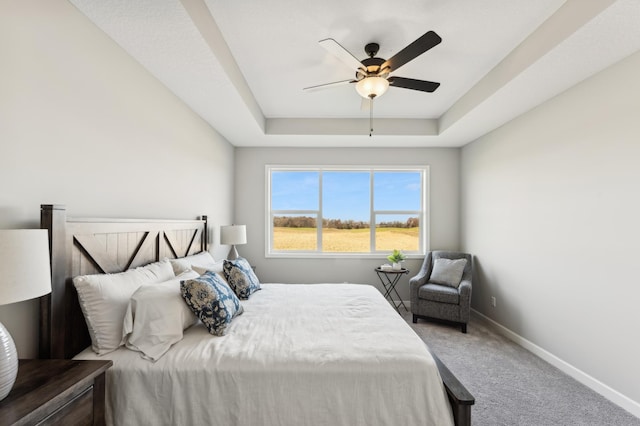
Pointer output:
x,y
611,394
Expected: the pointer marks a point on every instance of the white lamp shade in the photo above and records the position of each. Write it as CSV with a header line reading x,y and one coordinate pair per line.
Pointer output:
x,y
25,271
372,87
233,234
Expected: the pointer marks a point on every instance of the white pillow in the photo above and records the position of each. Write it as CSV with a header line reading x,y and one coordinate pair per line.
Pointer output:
x,y
447,271
201,260
156,316
104,298
217,268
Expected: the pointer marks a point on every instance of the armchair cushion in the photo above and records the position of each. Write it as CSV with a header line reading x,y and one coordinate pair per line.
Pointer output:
x,y
439,293
447,271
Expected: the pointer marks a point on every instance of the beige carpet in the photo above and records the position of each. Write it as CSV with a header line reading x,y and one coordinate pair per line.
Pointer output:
x,y
511,385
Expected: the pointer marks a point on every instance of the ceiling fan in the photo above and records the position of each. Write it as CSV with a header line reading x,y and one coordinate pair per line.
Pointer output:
x,y
373,74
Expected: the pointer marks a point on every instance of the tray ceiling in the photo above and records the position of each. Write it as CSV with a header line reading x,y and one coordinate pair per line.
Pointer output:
x,y
241,66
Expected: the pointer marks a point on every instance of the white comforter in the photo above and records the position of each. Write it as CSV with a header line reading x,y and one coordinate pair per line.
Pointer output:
x,y
320,354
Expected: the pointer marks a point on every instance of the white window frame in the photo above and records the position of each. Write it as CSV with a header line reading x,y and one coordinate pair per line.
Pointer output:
x,y
423,215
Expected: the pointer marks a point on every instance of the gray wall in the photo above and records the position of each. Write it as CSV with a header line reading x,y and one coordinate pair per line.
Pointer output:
x,y
550,206
84,125
251,204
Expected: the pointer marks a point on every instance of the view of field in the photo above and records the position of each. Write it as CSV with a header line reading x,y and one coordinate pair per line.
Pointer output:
x,y
345,240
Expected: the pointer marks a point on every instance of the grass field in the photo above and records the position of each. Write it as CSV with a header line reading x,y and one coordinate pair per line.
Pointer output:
x,y
345,240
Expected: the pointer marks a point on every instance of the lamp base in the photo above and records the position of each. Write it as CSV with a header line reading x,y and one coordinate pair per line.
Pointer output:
x,y
233,253
8,362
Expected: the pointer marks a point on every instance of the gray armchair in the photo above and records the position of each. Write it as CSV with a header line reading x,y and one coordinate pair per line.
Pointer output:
x,y
431,300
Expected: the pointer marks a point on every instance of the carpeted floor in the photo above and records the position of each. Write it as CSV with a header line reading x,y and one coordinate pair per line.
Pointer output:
x,y
511,385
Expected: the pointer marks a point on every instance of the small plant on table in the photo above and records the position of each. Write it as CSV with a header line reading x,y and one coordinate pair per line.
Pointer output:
x,y
396,258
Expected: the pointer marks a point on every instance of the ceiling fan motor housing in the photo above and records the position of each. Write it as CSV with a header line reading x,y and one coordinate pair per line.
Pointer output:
x,y
372,66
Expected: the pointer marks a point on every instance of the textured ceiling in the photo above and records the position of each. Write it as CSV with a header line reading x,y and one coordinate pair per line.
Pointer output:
x,y
241,65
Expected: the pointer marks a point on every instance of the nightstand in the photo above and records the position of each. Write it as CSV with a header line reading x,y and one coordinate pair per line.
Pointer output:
x,y
56,392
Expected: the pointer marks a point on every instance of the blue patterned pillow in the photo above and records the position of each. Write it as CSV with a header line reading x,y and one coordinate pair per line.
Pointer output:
x,y
241,278
212,301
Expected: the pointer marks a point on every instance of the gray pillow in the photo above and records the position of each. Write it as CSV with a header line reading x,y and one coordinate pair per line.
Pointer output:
x,y
447,271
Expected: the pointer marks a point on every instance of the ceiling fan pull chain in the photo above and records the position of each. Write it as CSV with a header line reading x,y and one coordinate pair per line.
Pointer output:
x,y
370,117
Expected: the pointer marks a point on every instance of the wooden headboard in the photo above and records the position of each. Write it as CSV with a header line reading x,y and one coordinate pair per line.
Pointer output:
x,y
97,246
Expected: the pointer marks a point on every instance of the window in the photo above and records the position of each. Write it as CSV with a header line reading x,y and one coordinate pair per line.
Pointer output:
x,y
325,211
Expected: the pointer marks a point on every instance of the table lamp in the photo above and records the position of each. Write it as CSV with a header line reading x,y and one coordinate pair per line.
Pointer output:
x,y
233,235
25,273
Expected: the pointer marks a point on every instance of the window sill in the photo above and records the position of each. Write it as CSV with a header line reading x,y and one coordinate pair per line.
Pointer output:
x,y
300,255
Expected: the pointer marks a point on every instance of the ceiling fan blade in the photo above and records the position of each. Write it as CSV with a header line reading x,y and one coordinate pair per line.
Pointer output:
x,y
327,85
341,53
412,51
410,83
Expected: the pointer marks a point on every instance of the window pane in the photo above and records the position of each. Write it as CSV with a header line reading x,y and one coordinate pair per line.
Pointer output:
x,y
294,190
400,232
345,196
346,240
397,190
295,232
346,212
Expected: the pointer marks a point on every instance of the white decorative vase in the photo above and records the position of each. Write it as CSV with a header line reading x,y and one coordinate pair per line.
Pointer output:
x,y
396,266
8,362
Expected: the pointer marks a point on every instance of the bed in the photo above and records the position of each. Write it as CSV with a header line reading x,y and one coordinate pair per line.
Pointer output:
x,y
299,354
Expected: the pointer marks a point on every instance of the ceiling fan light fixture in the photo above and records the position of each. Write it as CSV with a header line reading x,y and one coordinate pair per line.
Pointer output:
x,y
372,87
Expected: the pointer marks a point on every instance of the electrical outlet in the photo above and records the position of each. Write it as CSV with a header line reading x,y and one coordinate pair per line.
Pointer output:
x,y
493,301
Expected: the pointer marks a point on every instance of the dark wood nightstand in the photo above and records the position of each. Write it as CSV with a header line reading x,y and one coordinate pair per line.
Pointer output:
x,y
56,392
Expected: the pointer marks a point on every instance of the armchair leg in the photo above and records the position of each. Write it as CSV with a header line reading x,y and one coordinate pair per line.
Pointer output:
x,y
415,319
464,328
